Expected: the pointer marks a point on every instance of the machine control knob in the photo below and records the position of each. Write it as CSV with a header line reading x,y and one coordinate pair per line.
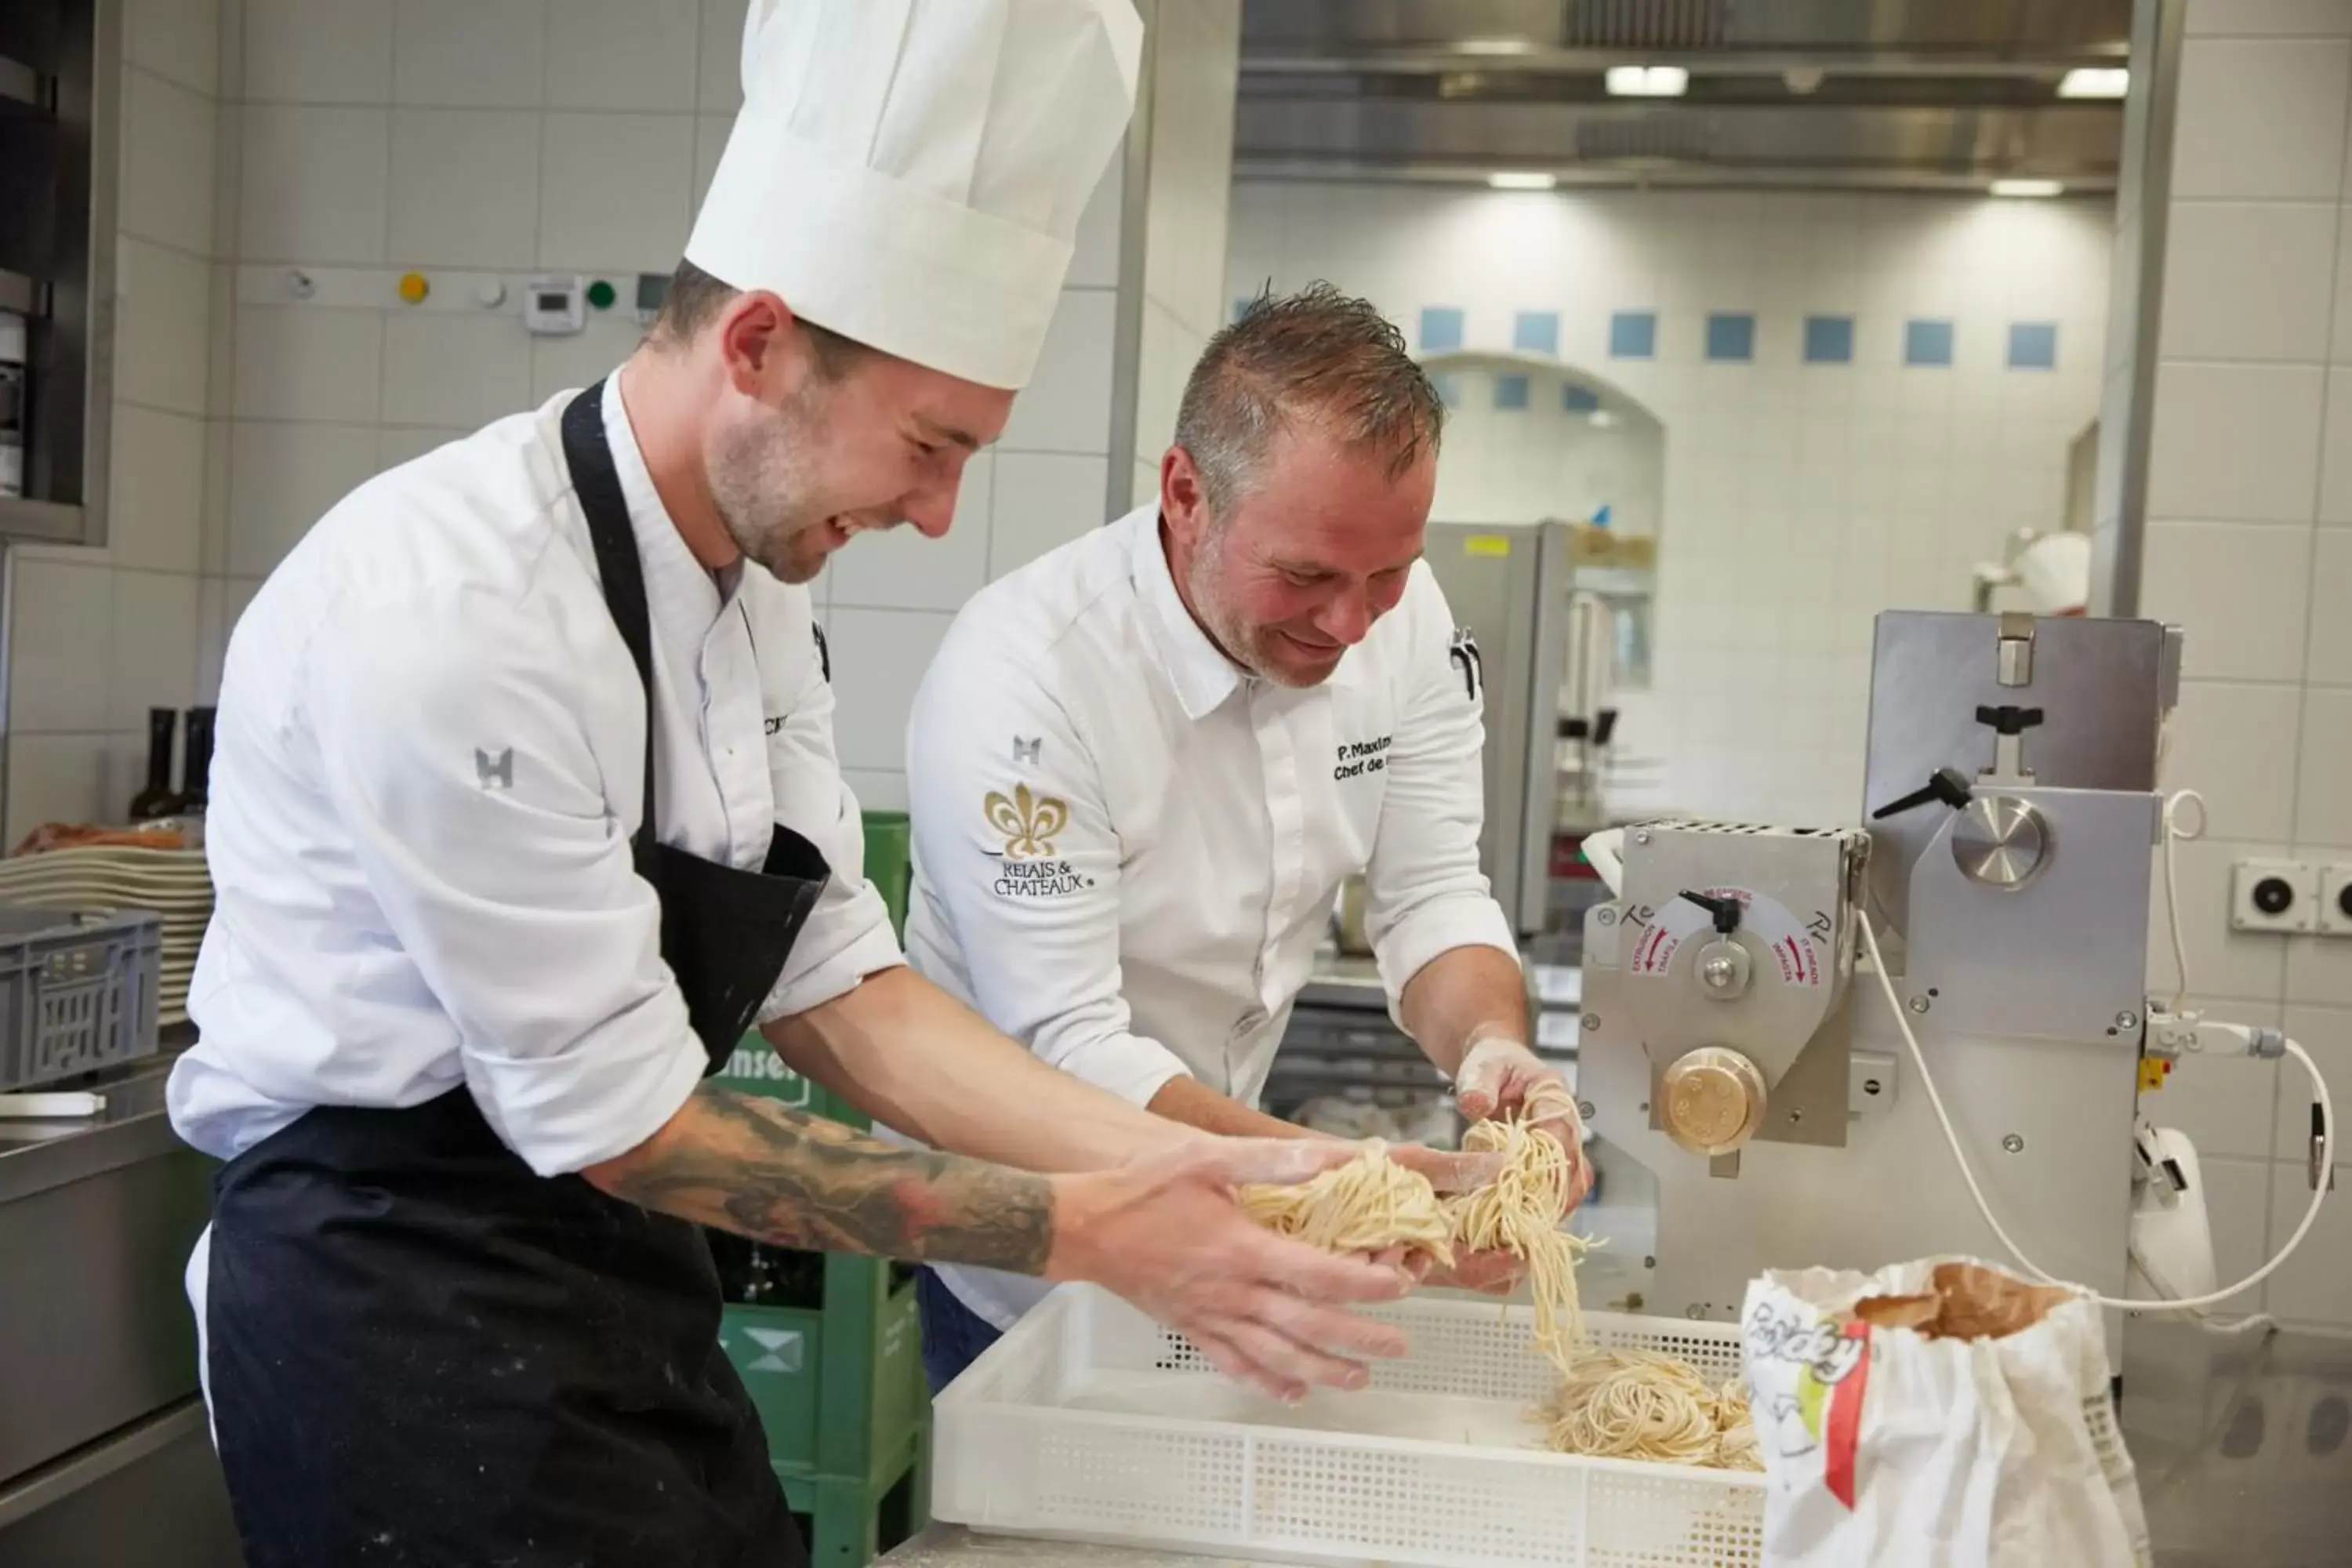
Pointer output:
x,y
1712,1100
2000,841
1724,914
2008,720
1943,785
1723,968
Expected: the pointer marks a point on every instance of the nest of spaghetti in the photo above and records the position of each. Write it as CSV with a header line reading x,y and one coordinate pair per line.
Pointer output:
x,y
1616,1404
1646,1405
1372,1204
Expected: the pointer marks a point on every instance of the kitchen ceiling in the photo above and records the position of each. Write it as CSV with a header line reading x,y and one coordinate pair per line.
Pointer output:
x,y
1827,94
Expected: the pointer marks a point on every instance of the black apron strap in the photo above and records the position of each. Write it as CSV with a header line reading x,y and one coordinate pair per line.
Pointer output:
x,y
725,933
589,455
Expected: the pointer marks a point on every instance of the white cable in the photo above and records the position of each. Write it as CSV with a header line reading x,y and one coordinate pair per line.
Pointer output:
x,y
1952,1137
2173,832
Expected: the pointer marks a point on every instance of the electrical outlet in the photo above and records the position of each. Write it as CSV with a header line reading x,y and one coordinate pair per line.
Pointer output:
x,y
2275,896
2335,901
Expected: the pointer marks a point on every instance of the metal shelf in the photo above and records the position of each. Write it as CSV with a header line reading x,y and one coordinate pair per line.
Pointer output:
x,y
42,521
60,145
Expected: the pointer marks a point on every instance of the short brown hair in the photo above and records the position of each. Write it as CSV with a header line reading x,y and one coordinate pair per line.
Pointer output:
x,y
1318,354
695,299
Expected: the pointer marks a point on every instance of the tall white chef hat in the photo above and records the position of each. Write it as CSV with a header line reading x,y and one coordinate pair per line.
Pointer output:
x,y
909,173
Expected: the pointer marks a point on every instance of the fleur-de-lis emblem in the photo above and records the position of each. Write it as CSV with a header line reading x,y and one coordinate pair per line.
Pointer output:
x,y
1027,821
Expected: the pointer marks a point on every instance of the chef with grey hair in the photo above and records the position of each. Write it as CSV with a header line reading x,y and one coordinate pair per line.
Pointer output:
x,y
1141,766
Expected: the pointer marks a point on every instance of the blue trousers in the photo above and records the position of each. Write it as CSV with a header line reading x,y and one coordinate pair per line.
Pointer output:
x,y
953,1334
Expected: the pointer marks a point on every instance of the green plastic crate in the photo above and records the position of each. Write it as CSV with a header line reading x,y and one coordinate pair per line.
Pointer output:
x,y
846,1524
756,1068
839,1388
890,862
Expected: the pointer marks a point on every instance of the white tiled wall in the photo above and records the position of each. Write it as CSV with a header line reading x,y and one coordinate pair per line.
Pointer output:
x,y
1800,499
1194,55
355,139
2249,547
1515,466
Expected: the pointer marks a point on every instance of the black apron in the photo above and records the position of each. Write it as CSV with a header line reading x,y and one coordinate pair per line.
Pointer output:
x,y
422,1353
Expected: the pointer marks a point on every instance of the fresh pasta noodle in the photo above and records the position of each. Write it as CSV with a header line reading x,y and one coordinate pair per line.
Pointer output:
x,y
1646,1405
1372,1204
1619,1403
1735,1443
1519,1212
1368,1205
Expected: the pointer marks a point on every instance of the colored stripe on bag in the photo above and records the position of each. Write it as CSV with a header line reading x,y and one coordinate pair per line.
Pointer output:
x,y
1845,1434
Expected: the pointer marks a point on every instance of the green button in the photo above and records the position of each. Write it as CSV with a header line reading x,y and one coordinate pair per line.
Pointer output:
x,y
600,294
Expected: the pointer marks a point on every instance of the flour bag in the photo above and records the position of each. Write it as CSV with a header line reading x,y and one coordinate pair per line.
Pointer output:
x,y
1939,1414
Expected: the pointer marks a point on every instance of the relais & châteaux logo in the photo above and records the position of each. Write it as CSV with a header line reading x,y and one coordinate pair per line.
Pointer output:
x,y
1029,823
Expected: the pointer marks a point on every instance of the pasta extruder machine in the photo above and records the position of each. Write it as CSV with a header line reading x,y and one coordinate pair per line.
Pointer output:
x,y
1737,1047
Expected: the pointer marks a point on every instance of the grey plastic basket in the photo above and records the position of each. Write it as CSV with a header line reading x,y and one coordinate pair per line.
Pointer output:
x,y
77,991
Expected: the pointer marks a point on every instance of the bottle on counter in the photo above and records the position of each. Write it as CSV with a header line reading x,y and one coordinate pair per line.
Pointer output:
x,y
195,780
764,1291
156,800
730,1255
12,403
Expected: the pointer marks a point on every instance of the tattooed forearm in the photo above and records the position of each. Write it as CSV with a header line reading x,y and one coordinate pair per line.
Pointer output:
x,y
784,1176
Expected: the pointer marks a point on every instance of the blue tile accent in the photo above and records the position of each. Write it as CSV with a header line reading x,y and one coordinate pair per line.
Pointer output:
x,y
2033,345
1829,340
1633,334
1577,399
1537,332
1928,342
1241,309
1449,389
1441,329
1510,392
1731,337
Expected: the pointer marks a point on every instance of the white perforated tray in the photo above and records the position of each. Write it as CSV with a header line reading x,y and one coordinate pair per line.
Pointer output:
x,y
1090,1422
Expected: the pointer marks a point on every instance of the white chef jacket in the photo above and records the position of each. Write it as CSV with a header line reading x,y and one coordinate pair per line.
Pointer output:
x,y
1127,848
428,767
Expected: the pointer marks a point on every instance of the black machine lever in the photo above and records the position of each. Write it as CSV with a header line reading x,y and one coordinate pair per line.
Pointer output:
x,y
1725,910
2009,720
1943,785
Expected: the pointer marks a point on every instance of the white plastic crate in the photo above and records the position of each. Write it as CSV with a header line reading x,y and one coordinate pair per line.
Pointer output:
x,y
1091,1422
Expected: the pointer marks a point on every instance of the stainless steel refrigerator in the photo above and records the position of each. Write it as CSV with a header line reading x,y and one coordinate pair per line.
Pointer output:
x,y
1510,588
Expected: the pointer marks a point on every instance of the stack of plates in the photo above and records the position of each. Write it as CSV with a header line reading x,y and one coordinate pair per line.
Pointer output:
x,y
171,882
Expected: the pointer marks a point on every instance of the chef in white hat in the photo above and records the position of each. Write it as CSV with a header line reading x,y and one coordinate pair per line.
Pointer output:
x,y
525,808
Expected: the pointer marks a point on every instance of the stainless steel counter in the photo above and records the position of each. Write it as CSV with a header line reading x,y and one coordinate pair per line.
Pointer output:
x,y
1343,979
952,1546
36,1156
101,1429
2244,1447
